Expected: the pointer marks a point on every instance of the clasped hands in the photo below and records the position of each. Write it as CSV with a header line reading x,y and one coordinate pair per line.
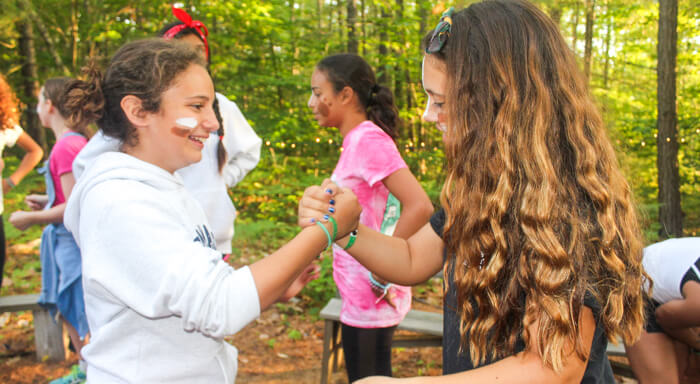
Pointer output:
x,y
320,202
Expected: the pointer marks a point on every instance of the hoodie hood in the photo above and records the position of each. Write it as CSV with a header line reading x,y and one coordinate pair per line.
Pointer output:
x,y
114,166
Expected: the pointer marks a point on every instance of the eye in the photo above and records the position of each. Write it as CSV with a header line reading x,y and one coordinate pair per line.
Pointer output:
x,y
439,105
197,107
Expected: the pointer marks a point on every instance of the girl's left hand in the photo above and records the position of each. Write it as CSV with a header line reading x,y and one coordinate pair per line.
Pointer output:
x,y
21,220
311,272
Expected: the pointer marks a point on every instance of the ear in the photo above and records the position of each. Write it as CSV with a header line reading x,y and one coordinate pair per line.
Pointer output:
x,y
51,106
347,95
133,109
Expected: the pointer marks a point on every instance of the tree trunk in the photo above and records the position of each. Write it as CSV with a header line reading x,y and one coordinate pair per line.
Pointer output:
x,y
30,86
74,34
608,37
383,50
319,8
364,30
46,37
588,51
670,215
351,17
574,28
399,81
555,12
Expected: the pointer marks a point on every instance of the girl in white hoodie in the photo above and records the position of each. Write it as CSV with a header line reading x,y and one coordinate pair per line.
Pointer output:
x,y
159,298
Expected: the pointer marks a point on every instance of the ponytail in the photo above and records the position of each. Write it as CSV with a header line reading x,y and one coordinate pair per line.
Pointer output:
x,y
220,150
83,101
382,111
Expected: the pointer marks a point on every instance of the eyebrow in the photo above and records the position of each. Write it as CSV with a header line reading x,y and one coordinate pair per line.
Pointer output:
x,y
200,97
313,88
433,93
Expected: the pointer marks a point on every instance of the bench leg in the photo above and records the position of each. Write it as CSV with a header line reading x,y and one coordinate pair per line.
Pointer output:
x,y
327,347
48,337
337,350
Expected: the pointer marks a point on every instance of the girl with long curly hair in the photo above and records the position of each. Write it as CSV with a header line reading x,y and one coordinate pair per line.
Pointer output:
x,y
10,134
538,235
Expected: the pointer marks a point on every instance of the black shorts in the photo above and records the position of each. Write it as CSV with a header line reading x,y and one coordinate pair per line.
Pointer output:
x,y
650,308
691,275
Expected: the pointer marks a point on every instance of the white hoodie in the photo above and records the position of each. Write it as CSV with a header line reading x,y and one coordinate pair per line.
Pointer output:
x,y
159,299
203,179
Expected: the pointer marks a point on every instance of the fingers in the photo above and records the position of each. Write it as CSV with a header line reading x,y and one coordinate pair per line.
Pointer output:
x,y
316,202
329,186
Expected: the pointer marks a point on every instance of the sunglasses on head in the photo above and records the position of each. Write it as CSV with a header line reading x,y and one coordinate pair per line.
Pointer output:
x,y
440,33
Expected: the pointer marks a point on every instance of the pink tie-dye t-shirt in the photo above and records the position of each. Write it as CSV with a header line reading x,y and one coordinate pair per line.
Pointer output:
x,y
369,155
61,159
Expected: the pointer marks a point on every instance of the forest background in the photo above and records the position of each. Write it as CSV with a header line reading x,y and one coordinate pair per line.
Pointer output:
x,y
263,53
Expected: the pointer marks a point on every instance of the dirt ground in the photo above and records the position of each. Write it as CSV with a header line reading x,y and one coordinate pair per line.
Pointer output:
x,y
282,346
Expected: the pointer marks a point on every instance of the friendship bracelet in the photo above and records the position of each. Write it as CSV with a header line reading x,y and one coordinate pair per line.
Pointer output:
x,y
377,284
335,226
10,182
328,235
351,241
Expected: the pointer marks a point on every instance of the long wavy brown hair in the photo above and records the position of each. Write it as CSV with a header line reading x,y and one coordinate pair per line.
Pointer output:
x,y
538,212
9,106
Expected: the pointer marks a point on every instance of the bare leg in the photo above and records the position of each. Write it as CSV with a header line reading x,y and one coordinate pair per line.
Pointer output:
x,y
653,359
691,374
680,318
78,343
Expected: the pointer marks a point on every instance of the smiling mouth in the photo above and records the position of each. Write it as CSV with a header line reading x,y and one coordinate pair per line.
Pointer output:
x,y
197,139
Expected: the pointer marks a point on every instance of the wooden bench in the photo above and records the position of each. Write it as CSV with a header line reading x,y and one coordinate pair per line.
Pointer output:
x,y
429,327
48,334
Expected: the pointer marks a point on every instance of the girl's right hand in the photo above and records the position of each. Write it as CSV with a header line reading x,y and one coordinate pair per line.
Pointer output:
x,y
36,202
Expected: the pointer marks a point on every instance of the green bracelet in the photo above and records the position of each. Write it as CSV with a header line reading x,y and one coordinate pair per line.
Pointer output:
x,y
335,227
328,235
353,236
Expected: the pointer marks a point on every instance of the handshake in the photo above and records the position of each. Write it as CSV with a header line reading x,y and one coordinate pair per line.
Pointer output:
x,y
328,202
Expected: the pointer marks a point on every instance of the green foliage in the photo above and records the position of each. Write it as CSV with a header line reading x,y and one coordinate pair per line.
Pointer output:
x,y
264,52
294,334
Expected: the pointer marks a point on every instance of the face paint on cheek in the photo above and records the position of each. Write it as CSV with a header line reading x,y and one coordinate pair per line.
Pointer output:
x,y
184,126
324,108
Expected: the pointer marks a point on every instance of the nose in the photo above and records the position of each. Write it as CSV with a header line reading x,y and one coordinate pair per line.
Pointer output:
x,y
310,103
210,123
428,115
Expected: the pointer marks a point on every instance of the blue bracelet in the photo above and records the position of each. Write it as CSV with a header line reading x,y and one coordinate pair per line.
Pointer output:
x,y
377,284
328,235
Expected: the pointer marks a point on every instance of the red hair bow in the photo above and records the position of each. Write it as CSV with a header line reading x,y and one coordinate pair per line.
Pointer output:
x,y
187,22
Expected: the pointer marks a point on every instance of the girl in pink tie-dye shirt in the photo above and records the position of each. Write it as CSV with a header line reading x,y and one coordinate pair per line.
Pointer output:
x,y
345,95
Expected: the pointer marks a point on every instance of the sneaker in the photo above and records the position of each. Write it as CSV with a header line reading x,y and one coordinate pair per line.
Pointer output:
x,y
76,376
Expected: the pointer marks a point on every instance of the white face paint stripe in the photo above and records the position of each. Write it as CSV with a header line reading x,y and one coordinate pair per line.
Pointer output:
x,y
187,122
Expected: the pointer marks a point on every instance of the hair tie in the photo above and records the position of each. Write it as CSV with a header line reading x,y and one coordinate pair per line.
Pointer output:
x,y
187,22
372,91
